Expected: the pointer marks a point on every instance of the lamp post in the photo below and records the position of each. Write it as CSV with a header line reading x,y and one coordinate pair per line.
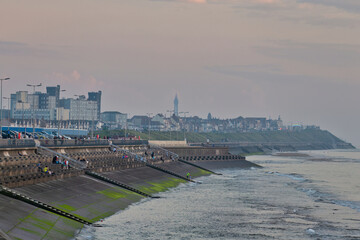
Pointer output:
x,y
8,99
184,122
33,108
1,79
59,119
126,124
78,115
62,113
92,123
22,113
149,115
170,111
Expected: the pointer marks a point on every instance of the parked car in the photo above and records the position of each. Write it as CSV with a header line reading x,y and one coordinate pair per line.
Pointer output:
x,y
47,135
6,134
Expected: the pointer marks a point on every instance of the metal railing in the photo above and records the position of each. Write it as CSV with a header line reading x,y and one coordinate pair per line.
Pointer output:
x,y
16,143
73,142
168,153
73,163
120,142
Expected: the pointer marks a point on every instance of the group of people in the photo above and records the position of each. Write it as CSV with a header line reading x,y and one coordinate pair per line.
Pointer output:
x,y
152,154
83,160
64,163
44,169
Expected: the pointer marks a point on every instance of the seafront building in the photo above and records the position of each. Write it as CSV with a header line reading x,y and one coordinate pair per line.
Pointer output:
x,y
114,120
50,111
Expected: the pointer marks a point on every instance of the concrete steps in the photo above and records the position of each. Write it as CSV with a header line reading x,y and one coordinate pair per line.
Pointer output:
x,y
192,164
169,172
106,179
11,193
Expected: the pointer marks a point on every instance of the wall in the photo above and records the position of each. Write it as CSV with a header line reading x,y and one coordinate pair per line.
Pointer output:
x,y
199,151
161,143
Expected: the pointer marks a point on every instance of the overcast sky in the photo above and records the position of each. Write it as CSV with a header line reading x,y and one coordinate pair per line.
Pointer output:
x,y
296,58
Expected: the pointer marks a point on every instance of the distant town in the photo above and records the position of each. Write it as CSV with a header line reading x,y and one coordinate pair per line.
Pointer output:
x,y
48,110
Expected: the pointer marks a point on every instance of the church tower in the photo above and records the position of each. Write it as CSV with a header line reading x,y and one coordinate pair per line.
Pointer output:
x,y
176,106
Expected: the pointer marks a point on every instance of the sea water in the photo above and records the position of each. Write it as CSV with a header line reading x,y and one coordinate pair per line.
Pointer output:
x,y
315,195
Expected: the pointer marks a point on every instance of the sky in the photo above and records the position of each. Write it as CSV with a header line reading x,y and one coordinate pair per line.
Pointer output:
x,y
254,58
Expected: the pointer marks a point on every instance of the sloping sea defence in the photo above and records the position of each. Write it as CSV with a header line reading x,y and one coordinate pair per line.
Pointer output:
x,y
84,197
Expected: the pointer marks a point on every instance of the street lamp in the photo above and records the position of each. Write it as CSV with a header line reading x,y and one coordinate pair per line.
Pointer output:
x,y
22,112
126,125
7,98
33,108
78,115
92,122
1,79
170,111
149,115
184,122
58,116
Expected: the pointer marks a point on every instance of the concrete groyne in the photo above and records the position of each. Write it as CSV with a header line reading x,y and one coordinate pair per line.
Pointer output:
x,y
111,180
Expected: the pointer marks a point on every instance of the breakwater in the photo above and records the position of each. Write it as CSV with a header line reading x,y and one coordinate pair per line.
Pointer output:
x,y
128,173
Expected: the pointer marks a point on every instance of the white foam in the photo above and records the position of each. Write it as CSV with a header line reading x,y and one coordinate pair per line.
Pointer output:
x,y
310,231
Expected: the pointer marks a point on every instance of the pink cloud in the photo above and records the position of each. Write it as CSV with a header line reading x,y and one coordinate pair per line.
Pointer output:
x,y
268,1
197,1
74,80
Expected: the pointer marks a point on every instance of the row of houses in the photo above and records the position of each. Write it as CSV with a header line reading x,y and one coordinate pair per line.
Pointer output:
x,y
159,122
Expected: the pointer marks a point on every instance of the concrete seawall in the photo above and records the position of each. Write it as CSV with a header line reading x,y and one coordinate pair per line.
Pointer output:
x,y
84,196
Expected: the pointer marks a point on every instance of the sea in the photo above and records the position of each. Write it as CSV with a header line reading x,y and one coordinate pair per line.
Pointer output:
x,y
304,195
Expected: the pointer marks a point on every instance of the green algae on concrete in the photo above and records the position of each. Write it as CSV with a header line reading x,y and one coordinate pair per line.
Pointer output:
x,y
98,204
200,173
161,186
67,207
30,231
42,224
112,193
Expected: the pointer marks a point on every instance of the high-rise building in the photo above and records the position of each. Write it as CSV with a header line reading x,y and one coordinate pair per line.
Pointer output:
x,y
176,106
80,109
96,96
54,91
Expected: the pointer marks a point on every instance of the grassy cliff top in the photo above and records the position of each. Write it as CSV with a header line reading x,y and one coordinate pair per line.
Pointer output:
x,y
303,136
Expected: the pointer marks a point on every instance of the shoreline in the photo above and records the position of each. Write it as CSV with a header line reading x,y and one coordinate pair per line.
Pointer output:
x,y
90,199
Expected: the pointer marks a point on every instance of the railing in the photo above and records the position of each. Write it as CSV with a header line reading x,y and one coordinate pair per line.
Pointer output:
x,y
16,143
74,163
168,153
142,155
247,144
73,142
120,142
